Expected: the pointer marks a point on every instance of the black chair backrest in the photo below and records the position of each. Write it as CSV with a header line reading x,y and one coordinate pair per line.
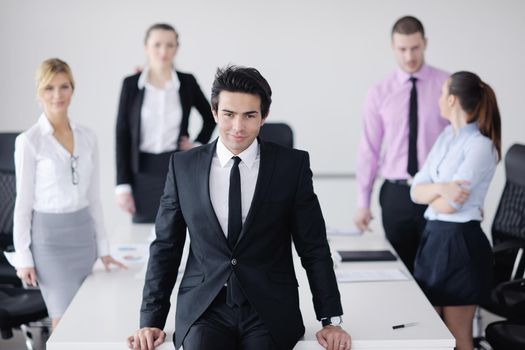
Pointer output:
x,y
509,222
508,227
7,150
7,189
279,133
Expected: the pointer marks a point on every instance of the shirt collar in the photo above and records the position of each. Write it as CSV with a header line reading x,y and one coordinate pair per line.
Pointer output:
x,y
47,128
421,74
143,80
469,128
248,156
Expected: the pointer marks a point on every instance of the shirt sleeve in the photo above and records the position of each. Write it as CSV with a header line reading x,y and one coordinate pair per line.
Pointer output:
x,y
478,166
25,168
424,176
95,205
369,151
123,188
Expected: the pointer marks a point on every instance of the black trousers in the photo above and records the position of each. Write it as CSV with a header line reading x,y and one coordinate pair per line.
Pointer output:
x,y
222,327
403,220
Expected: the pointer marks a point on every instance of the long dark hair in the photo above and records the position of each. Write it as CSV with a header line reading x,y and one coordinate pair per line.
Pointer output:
x,y
479,101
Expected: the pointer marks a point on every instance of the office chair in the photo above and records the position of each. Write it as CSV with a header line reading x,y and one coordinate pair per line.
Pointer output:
x,y
18,306
508,234
279,133
7,204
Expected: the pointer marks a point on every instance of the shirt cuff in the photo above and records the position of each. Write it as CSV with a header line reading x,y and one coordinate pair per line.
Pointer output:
x,y
102,248
20,259
363,200
123,188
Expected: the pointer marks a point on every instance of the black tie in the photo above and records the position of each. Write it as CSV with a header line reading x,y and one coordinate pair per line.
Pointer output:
x,y
234,204
412,130
234,295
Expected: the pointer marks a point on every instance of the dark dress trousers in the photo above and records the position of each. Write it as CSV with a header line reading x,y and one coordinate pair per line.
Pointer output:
x,y
141,170
284,208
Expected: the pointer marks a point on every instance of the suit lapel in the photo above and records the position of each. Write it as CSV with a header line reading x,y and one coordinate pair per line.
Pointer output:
x,y
135,115
203,185
266,166
184,95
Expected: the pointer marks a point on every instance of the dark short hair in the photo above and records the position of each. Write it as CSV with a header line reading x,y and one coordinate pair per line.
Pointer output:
x,y
408,25
241,79
161,26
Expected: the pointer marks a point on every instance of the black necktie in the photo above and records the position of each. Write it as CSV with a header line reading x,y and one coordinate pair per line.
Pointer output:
x,y
234,204
412,130
234,295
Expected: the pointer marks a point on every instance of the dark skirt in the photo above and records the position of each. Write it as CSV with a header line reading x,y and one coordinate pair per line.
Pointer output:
x,y
148,185
454,263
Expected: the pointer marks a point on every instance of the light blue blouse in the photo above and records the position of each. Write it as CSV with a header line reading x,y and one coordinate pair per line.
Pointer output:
x,y
467,155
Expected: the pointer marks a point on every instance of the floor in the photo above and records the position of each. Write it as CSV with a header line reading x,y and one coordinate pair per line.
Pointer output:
x,y
17,342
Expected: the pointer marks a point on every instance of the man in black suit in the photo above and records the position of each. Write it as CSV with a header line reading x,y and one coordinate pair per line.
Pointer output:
x,y
243,200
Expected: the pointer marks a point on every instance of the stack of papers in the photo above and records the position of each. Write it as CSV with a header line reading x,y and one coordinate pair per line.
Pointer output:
x,y
369,275
333,231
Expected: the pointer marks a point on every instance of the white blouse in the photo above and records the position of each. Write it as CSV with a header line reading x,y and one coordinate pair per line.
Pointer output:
x,y
50,180
160,116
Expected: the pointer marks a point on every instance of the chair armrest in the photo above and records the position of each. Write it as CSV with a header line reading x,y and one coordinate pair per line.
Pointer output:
x,y
512,244
512,295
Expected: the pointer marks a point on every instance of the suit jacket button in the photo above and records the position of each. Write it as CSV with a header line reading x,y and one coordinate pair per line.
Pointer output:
x,y
234,262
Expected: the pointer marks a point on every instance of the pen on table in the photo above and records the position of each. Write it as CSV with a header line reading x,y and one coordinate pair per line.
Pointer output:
x,y
398,326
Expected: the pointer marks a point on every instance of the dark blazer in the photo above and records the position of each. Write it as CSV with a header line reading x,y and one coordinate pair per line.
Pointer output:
x,y
284,207
128,121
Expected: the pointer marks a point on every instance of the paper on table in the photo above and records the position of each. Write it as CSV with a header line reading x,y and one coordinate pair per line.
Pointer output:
x,y
368,275
130,254
332,231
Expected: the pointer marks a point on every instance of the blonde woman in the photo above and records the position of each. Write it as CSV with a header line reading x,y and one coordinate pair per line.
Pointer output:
x,y
58,224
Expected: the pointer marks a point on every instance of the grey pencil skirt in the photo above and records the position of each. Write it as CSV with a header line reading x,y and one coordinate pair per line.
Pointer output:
x,y
64,251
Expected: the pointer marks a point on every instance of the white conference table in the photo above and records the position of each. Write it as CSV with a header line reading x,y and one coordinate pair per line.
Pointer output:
x,y
105,310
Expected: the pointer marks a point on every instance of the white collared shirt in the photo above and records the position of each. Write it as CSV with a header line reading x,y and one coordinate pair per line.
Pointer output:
x,y
160,116
44,182
220,180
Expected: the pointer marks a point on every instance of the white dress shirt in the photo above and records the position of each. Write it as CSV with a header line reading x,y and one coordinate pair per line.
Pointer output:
x,y
221,165
160,116
44,183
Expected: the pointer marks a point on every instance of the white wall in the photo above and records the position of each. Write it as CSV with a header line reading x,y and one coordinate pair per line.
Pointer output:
x,y
320,58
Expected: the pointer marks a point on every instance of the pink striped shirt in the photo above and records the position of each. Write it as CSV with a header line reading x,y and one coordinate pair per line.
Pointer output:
x,y
383,147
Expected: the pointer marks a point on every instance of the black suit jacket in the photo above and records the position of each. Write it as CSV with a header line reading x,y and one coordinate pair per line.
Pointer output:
x,y
284,208
128,121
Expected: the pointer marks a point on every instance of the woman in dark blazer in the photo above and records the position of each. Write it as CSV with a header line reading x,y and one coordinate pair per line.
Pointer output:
x,y
152,123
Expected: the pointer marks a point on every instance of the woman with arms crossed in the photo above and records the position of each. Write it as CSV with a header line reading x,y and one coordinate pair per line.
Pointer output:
x,y
152,123
454,261
58,228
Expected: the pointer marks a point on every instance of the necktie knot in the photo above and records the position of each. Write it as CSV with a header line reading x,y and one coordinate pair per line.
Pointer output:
x,y
236,161
413,80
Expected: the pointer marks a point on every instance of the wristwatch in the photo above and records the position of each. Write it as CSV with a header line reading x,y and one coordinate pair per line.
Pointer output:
x,y
332,321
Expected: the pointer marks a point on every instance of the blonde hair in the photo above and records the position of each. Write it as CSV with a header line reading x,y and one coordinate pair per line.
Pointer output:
x,y
48,70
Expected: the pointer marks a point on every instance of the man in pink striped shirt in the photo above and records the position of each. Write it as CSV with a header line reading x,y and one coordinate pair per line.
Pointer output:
x,y
401,121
